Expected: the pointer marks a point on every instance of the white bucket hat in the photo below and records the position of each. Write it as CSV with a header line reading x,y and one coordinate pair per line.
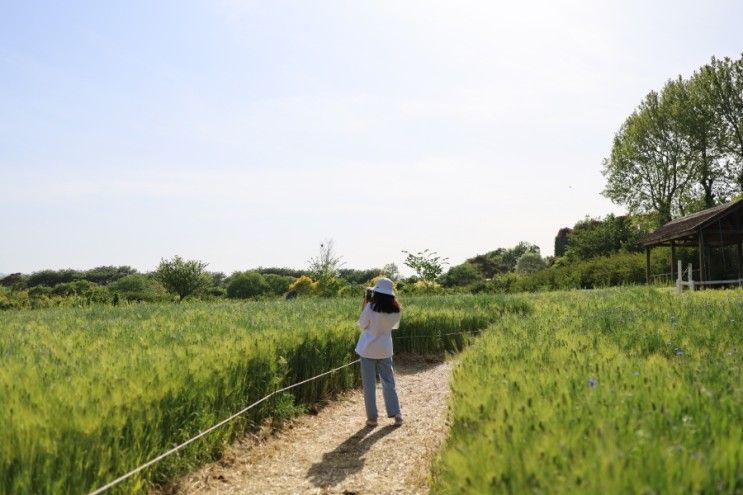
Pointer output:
x,y
384,286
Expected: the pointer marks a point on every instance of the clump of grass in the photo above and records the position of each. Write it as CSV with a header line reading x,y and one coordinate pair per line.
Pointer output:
x,y
612,391
89,393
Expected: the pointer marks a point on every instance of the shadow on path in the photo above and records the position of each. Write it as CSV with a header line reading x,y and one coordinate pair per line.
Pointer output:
x,y
346,459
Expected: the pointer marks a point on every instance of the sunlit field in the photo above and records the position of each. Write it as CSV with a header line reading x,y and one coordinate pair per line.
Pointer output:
x,y
611,391
88,394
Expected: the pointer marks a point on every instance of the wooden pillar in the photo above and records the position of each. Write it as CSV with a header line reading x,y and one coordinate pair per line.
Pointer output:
x,y
673,260
701,257
740,260
647,265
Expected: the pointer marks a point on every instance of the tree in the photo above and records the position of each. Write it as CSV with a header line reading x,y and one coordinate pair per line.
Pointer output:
x,y
278,284
648,169
327,264
721,84
700,125
289,272
391,271
490,263
593,237
14,281
183,277
104,275
325,268
218,278
529,263
138,287
460,275
50,278
501,260
510,257
427,265
357,277
561,241
244,285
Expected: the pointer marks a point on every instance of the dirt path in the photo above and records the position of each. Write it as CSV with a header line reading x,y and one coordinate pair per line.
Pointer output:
x,y
333,452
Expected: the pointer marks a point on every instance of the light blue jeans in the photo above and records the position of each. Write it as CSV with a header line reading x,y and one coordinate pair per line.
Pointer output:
x,y
369,368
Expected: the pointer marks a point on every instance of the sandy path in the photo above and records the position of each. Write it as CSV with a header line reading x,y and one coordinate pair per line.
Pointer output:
x,y
333,452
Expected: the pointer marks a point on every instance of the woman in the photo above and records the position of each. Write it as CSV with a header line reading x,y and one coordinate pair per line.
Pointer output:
x,y
378,318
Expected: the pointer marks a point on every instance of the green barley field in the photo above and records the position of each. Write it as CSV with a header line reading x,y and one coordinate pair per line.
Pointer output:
x,y
607,391
89,393
629,390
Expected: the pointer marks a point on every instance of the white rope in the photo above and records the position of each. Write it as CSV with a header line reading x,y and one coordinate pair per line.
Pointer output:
x,y
227,420
191,440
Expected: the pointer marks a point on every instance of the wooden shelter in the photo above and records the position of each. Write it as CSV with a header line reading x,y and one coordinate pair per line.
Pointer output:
x,y
714,228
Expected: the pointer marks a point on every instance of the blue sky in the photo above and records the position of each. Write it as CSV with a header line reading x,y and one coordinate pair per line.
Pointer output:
x,y
243,133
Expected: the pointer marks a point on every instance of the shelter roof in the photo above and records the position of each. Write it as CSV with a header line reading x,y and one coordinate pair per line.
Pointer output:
x,y
685,227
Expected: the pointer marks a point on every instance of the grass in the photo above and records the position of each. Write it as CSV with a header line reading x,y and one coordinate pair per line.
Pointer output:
x,y
610,391
89,393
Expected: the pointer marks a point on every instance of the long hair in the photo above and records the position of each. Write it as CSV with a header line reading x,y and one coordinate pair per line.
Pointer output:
x,y
383,303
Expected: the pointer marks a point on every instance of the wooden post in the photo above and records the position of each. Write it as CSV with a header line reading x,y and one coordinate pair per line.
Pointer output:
x,y
647,265
701,257
673,258
691,278
740,261
679,279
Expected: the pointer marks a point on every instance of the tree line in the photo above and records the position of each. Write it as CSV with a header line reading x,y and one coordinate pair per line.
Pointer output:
x,y
512,269
681,150
176,279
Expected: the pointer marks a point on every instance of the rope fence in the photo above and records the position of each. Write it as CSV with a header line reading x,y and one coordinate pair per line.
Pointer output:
x,y
243,411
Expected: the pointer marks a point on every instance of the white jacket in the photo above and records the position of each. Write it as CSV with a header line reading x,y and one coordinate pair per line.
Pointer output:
x,y
376,336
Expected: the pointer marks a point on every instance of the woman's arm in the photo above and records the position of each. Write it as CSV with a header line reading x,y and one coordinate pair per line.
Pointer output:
x,y
397,324
364,320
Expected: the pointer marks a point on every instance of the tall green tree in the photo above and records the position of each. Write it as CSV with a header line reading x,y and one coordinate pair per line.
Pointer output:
x,y
183,278
648,169
561,241
428,265
699,128
593,237
721,83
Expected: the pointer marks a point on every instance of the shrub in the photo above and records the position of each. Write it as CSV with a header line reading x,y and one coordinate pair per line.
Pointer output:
x,y
104,275
303,286
84,289
278,284
426,287
605,271
50,278
358,276
529,263
353,290
330,286
13,299
183,278
246,285
14,281
460,275
140,288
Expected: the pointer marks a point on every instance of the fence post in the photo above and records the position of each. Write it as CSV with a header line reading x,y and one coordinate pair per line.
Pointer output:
x,y
691,279
679,279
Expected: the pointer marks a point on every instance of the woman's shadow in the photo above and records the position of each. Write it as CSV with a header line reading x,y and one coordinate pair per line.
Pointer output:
x,y
346,459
